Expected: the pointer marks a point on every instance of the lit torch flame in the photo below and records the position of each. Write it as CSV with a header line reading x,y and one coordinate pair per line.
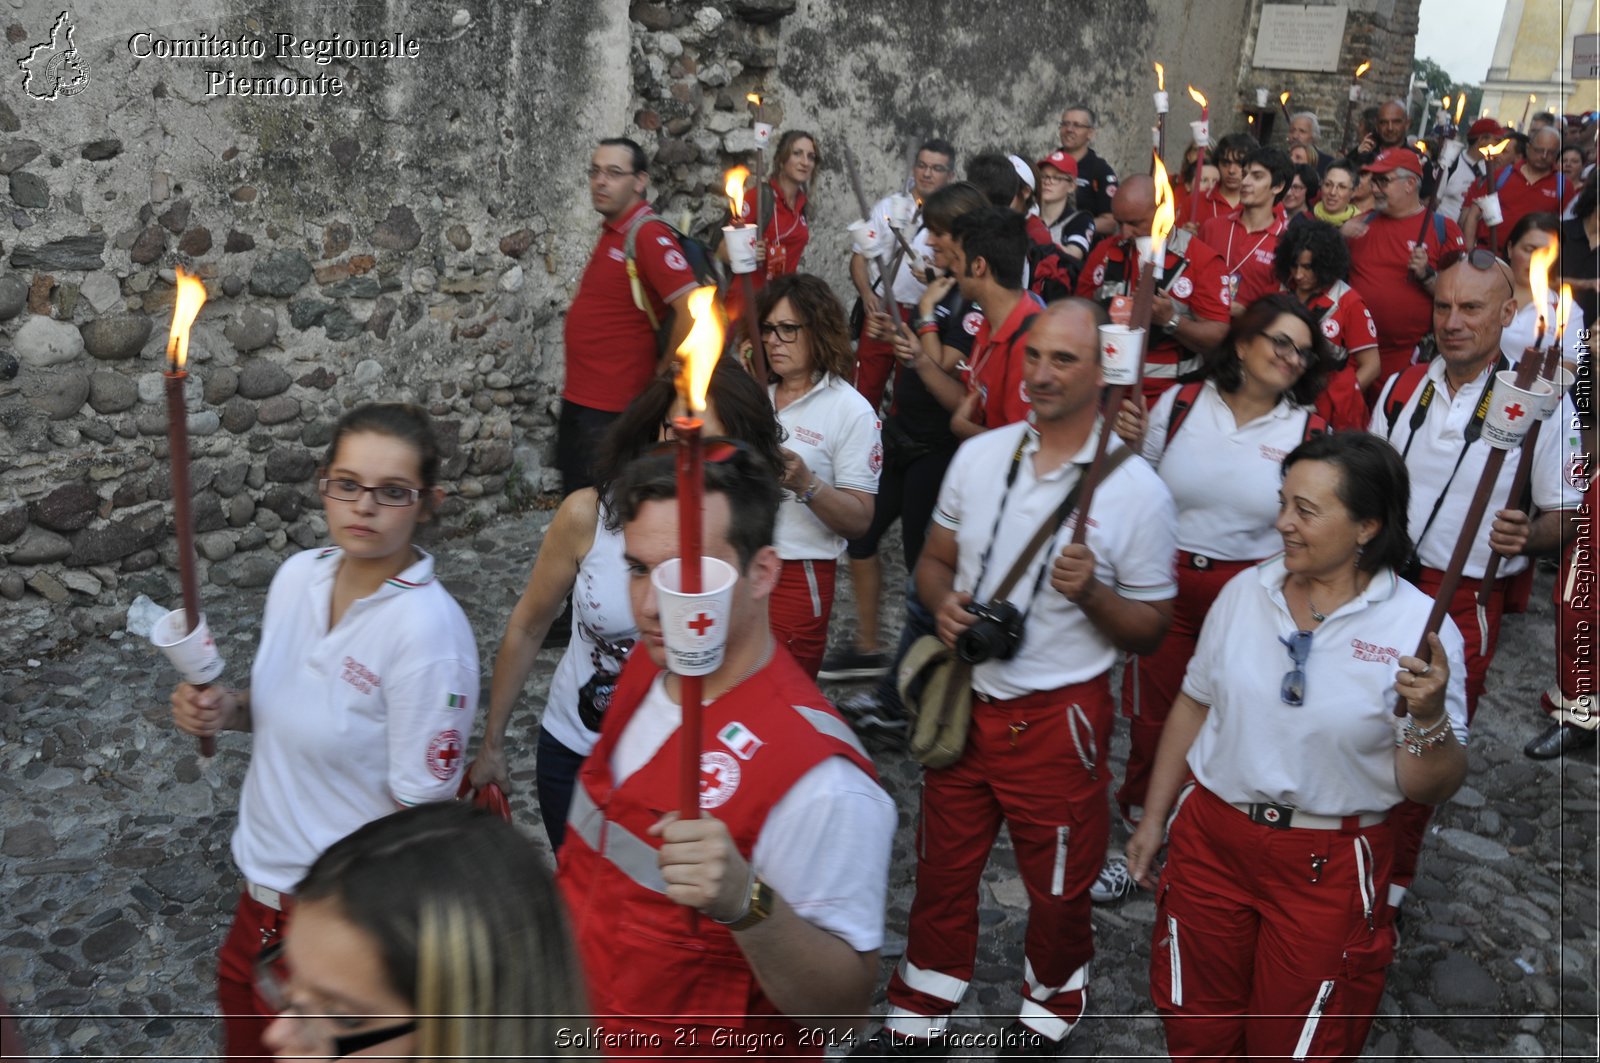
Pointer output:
x,y
1563,311
1446,102
1161,78
191,297
700,349
1363,68
1166,216
1283,98
753,97
734,186
1195,95
1422,146
1539,265
1491,150
1461,105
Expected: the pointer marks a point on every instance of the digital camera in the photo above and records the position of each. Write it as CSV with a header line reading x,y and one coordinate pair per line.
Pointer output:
x,y
994,636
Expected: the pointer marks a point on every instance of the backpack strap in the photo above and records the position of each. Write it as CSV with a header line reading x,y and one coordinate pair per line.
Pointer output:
x,y
1316,425
1181,405
629,242
1400,393
1502,177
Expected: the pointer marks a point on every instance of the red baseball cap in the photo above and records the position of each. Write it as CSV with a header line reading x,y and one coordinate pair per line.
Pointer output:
x,y
1485,127
1395,159
1061,161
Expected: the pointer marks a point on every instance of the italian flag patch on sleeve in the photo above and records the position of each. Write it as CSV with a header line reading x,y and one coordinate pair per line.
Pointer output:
x,y
739,738
455,701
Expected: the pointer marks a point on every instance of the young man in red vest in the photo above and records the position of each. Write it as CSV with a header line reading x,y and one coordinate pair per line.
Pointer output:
x,y
787,865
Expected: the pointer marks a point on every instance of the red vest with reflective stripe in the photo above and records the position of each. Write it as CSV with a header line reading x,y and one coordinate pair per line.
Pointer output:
x,y
646,974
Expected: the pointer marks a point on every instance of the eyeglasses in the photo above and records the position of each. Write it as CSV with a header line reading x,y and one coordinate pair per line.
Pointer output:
x,y
787,331
384,495
1287,348
1379,180
276,995
1075,125
932,167
615,173
1054,177
1293,690
1479,258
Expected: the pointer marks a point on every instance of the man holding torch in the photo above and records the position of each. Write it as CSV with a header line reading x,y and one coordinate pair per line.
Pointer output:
x,y
1433,415
1036,754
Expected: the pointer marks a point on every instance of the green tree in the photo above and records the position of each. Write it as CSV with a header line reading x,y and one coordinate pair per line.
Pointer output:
x,y
1440,83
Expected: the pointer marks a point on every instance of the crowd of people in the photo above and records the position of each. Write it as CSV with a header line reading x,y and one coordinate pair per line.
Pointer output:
x,y
1275,507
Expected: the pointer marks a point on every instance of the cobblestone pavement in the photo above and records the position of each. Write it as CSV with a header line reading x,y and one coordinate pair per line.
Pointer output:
x,y
117,882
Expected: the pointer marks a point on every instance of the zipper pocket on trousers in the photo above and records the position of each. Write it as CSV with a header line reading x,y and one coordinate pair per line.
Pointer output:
x,y
1077,718
1058,873
1309,1030
1175,962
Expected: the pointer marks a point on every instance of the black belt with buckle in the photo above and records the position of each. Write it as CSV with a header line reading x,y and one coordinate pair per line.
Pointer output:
x,y
1199,562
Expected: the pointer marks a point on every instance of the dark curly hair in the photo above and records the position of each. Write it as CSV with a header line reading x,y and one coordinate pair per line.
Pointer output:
x,y
1330,257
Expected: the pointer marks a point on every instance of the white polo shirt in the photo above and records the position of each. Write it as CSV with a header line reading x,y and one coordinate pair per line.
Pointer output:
x,y
1434,452
1131,525
1224,477
834,429
825,845
907,288
1334,754
353,722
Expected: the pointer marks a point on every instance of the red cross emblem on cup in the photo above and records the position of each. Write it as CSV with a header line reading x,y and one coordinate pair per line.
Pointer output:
x,y
701,624
1111,350
1514,411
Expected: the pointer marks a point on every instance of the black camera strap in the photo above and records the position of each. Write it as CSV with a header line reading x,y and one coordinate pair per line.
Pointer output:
x,y
1045,532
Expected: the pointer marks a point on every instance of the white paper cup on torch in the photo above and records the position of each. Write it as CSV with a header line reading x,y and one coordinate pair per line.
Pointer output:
x,y
1558,390
902,210
863,237
1202,132
193,653
1489,208
740,240
1119,354
763,133
1162,103
694,626
1355,92
1513,410
1449,153
1261,97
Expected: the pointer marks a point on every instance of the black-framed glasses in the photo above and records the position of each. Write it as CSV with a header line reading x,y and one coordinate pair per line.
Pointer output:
x,y
1293,690
787,331
1287,348
276,995
341,490
616,173
933,167
1076,125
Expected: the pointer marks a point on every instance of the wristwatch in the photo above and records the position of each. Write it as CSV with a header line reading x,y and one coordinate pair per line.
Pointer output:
x,y
757,906
1171,327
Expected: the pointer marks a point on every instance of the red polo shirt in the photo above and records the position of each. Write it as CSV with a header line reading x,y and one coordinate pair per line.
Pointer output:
x,y
786,234
1518,197
996,362
1347,324
1401,308
1246,254
1211,205
610,347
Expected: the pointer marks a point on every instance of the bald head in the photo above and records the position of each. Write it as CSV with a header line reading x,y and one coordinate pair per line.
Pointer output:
x,y
1078,313
1471,307
1134,206
1391,124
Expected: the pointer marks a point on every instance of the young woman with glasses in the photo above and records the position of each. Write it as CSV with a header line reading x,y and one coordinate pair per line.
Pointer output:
x,y
432,933
1216,441
361,695
831,461
582,552
1272,933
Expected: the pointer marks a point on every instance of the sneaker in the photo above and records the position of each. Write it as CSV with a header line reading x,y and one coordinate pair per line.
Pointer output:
x,y
1018,1040
853,664
1113,883
867,713
884,1045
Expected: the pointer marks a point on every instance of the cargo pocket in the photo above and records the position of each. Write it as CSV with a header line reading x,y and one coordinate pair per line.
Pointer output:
x,y
1166,955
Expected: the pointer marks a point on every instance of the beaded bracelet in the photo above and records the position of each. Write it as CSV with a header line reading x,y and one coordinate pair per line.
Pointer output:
x,y
1418,740
811,492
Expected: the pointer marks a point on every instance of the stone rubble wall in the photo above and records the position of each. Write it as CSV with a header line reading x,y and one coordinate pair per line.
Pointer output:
x,y
418,238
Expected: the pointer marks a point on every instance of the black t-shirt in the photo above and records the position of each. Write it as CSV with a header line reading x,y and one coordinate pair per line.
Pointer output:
x,y
1097,183
917,420
1581,262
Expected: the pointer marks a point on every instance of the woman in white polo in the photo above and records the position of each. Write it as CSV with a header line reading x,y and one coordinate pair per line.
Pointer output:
x,y
1273,933
832,455
361,694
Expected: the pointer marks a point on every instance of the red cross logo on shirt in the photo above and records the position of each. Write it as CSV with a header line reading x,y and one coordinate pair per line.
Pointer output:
x,y
1514,411
701,624
443,752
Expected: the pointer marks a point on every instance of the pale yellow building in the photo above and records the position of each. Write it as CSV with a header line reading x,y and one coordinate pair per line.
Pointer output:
x,y
1533,57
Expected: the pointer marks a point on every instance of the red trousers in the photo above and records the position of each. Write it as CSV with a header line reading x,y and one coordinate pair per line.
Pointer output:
x,y
799,609
245,1015
875,363
1150,684
1410,819
1269,943
1572,698
1038,765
